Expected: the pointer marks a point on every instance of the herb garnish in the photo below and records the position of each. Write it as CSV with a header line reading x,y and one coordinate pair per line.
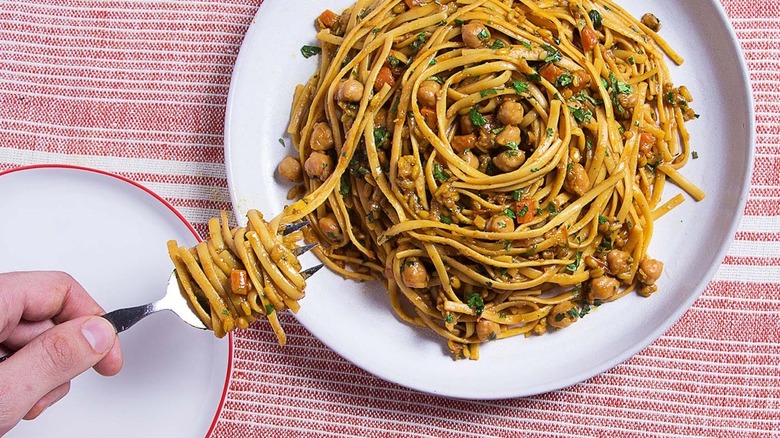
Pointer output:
x,y
309,51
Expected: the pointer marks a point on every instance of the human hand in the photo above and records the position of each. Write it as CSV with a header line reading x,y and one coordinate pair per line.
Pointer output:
x,y
53,325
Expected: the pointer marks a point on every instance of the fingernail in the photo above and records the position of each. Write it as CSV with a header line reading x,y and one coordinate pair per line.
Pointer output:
x,y
99,333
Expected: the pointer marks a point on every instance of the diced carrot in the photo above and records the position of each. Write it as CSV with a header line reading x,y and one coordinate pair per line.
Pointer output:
x,y
551,72
525,210
429,114
589,38
328,18
239,282
646,142
580,81
385,76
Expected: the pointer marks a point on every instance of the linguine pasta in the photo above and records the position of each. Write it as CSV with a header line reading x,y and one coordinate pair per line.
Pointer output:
x,y
497,164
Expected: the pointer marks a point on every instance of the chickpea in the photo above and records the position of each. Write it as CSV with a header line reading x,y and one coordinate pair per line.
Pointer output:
x,y
380,118
470,158
349,90
501,223
487,330
650,271
428,92
618,261
474,35
563,315
509,135
647,290
604,287
627,101
414,274
577,180
290,169
511,113
465,125
318,165
510,160
321,137
651,21
329,226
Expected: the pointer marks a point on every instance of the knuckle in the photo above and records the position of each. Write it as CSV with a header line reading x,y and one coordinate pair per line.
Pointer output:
x,y
59,353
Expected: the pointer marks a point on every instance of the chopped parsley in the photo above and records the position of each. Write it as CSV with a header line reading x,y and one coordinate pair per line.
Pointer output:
x,y
393,61
602,220
380,136
474,301
458,22
694,155
534,77
432,61
581,115
487,92
523,211
309,51
517,194
550,132
595,17
419,42
345,185
483,34
497,44
519,86
618,87
436,79
476,117
572,267
585,97
439,173
553,54
269,309
445,220
526,44
509,212
564,80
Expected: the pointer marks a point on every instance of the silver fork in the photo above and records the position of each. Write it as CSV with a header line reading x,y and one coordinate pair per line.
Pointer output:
x,y
174,300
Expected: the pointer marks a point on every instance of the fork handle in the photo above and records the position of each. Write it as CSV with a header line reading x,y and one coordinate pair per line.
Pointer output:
x,y
123,319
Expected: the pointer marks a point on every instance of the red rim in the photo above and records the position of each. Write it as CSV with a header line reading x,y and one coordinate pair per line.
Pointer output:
x,y
184,221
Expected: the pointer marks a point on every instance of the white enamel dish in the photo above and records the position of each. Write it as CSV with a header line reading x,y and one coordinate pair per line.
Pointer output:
x,y
355,319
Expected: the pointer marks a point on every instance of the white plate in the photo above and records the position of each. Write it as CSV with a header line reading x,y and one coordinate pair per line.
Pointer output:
x,y
355,319
110,234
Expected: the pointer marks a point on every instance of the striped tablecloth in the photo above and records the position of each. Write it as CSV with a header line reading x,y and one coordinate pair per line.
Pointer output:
x,y
139,88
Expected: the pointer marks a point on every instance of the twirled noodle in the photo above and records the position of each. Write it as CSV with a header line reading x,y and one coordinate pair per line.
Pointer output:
x,y
497,164
239,274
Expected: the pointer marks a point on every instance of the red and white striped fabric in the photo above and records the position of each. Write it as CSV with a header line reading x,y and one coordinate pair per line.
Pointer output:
x,y
139,88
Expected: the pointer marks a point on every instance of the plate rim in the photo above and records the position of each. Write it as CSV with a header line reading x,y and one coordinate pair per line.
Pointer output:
x,y
169,206
653,335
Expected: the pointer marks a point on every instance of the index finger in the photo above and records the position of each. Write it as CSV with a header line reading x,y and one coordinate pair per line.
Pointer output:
x,y
42,295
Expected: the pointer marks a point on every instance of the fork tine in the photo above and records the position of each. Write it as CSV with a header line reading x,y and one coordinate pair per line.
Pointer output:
x,y
304,249
291,228
306,273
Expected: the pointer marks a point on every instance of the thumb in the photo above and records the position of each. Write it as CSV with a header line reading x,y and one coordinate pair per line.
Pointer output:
x,y
53,359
